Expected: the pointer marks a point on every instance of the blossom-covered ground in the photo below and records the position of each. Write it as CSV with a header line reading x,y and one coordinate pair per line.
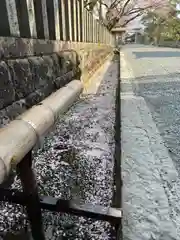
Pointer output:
x,y
76,162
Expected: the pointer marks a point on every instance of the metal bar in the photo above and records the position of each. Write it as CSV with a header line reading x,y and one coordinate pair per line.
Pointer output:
x,y
33,207
117,196
97,212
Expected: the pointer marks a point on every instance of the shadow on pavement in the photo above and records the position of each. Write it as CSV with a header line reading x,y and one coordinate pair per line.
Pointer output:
x,y
163,100
157,54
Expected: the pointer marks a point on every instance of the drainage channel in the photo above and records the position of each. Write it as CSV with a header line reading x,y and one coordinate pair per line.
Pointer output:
x,y
77,171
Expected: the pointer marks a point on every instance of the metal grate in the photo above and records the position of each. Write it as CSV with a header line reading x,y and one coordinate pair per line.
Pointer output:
x,y
34,203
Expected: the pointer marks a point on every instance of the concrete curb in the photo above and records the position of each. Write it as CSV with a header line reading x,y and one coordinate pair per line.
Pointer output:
x,y
92,85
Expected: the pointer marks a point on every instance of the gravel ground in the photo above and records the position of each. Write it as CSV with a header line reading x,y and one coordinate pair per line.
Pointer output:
x,y
152,98
76,162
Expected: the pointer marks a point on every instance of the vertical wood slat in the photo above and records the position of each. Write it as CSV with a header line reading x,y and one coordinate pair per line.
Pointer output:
x,y
78,20
72,20
96,31
63,20
12,17
99,32
81,5
91,27
86,26
45,19
75,19
102,34
88,35
77,30
106,36
69,18
84,19
32,19
56,19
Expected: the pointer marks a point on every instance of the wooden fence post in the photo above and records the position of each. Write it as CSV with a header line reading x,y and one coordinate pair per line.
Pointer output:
x,y
69,3
78,21
75,19
63,20
11,20
45,19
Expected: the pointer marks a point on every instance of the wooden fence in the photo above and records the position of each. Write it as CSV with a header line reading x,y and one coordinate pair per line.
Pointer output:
x,y
64,20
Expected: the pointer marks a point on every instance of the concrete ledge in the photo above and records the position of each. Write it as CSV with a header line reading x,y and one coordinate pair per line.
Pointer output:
x,y
91,85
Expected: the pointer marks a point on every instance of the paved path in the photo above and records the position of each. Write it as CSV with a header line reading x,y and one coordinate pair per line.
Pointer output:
x,y
151,142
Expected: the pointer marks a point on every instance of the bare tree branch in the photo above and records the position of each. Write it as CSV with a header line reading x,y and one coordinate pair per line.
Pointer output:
x,y
127,10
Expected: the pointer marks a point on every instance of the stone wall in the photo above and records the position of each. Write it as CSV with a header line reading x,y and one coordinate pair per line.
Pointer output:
x,y
92,58
29,73
25,82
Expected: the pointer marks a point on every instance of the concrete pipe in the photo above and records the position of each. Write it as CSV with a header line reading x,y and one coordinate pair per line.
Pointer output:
x,y
22,134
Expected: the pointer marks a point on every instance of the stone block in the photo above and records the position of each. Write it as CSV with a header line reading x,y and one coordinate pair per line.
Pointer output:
x,y
38,95
7,92
68,60
56,64
4,119
50,73
64,79
16,109
21,77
